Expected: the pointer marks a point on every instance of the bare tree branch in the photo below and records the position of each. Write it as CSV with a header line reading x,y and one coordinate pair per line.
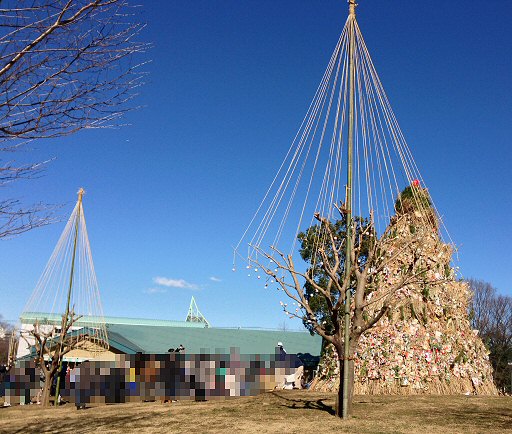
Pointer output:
x,y
65,65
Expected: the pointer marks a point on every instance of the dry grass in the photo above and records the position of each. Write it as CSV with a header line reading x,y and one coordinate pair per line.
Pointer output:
x,y
275,412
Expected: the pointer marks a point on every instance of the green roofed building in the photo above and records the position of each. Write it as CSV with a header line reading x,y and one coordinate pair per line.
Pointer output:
x,y
135,335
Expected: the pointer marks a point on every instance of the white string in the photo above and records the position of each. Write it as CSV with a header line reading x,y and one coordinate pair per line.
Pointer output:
x,y
383,162
50,294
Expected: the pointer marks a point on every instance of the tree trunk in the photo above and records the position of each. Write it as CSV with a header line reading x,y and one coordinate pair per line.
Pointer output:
x,y
47,387
339,399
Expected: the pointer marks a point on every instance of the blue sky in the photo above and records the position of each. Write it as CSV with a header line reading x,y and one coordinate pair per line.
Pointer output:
x,y
229,83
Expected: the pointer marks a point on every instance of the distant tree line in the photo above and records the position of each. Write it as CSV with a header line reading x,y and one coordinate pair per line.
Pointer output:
x,y
491,314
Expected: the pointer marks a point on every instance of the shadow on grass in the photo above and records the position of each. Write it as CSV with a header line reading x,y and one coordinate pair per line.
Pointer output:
x,y
304,403
496,418
84,424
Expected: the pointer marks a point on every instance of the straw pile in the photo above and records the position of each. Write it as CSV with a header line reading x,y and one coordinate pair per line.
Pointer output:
x,y
426,343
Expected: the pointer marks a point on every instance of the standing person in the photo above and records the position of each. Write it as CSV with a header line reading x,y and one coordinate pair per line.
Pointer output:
x,y
74,381
282,351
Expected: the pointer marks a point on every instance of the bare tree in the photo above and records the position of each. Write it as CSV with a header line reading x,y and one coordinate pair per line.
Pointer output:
x,y
491,315
14,217
283,326
382,270
65,65
482,302
6,330
49,345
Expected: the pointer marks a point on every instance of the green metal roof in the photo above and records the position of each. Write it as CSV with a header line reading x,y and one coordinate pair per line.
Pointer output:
x,y
131,335
48,318
211,340
122,344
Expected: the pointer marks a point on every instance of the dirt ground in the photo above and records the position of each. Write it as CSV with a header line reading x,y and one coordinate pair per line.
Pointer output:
x,y
273,412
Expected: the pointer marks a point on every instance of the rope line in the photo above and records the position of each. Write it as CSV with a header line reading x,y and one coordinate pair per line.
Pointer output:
x,y
312,175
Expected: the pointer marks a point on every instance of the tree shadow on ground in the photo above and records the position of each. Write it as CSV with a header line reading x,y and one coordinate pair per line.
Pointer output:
x,y
77,425
304,403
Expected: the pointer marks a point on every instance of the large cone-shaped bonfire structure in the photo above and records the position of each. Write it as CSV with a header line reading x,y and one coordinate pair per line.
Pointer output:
x,y
426,343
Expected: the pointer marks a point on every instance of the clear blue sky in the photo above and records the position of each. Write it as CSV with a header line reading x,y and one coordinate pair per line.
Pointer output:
x,y
229,84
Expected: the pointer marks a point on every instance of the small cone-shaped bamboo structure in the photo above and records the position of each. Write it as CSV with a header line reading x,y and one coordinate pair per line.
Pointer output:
x,y
426,343
68,286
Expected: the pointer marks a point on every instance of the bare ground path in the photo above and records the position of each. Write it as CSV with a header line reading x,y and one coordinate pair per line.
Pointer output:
x,y
274,412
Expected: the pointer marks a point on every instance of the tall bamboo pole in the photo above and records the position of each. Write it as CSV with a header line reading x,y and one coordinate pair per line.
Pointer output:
x,y
348,205
65,318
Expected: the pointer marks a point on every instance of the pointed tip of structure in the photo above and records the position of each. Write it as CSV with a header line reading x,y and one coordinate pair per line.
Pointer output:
x,y
80,192
195,315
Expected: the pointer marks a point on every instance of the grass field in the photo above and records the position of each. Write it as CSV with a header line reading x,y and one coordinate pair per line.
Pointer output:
x,y
273,412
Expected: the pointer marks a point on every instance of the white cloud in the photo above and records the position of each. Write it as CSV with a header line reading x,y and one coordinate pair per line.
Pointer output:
x,y
215,279
175,283
155,290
